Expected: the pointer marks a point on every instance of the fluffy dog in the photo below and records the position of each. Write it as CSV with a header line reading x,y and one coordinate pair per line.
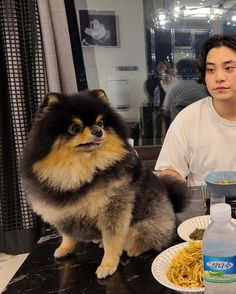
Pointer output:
x,y
81,176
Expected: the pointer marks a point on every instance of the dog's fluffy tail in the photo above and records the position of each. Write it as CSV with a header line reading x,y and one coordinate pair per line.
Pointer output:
x,y
177,191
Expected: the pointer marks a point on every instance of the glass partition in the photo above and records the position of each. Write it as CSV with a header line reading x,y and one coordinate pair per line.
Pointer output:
x,y
123,42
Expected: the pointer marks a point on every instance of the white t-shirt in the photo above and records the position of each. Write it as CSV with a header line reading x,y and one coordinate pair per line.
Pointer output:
x,y
198,142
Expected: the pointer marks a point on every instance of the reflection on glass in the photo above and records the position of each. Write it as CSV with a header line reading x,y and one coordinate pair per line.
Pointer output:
x,y
147,32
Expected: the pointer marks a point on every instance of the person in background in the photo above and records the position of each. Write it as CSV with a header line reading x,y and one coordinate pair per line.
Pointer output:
x,y
162,80
186,90
202,137
155,88
166,73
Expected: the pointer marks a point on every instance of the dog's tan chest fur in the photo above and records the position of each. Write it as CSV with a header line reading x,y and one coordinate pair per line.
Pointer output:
x,y
90,205
66,168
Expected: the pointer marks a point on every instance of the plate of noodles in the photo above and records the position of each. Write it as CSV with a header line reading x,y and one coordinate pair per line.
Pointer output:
x,y
193,228
180,267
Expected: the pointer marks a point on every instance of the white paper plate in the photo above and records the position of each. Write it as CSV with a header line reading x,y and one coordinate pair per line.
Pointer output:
x,y
188,226
161,265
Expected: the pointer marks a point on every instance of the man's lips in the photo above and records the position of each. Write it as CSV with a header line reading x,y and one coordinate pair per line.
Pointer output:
x,y
221,88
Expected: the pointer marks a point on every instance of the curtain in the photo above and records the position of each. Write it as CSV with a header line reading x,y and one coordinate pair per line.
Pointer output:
x,y
61,42
36,57
22,87
57,47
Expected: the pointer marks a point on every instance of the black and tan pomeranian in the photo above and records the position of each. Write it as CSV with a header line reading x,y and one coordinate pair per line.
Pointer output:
x,y
81,175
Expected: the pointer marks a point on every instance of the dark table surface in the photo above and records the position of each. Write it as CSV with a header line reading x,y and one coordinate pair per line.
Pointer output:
x,y
42,273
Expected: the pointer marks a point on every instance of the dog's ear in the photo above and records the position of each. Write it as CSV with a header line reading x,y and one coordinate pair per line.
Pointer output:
x,y
100,94
51,98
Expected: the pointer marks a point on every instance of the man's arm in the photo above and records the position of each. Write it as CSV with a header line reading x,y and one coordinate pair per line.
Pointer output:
x,y
170,172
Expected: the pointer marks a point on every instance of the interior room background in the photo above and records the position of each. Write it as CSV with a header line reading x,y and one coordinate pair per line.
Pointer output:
x,y
70,45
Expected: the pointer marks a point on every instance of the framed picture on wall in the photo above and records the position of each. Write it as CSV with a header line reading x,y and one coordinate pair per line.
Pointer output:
x,y
99,28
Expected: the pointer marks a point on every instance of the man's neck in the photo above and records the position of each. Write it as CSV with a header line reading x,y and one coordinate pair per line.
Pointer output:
x,y
226,109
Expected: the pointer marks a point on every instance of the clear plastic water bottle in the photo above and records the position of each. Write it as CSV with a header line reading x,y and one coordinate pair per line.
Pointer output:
x,y
219,252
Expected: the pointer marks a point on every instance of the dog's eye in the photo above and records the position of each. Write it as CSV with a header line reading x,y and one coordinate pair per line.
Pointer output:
x,y
75,129
100,123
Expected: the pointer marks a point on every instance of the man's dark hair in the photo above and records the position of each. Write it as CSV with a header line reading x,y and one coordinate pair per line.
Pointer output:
x,y
186,68
214,41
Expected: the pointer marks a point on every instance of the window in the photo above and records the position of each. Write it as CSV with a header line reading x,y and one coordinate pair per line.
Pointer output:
x,y
146,32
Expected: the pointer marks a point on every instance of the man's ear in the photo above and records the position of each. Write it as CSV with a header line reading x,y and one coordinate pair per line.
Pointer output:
x,y
50,99
100,94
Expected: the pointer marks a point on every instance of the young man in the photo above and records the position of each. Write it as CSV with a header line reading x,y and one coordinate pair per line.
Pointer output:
x,y
202,137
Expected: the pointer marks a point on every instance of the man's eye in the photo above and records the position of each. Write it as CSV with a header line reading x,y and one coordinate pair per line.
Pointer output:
x,y
75,129
210,70
229,68
100,123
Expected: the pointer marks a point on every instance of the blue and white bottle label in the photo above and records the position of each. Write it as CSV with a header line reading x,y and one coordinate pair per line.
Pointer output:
x,y
219,269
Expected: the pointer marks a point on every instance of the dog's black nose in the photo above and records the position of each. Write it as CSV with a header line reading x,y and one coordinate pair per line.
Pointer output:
x,y
96,132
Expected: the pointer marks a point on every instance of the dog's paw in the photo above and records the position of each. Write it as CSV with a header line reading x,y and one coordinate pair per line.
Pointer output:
x,y
105,270
133,246
62,252
100,245
134,251
98,242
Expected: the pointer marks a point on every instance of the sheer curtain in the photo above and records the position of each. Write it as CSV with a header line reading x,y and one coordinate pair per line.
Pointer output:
x,y
36,58
22,86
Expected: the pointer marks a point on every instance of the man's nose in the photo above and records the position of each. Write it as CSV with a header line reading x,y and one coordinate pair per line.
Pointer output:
x,y
220,76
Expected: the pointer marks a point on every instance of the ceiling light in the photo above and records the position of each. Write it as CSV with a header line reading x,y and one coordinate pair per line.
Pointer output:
x,y
161,18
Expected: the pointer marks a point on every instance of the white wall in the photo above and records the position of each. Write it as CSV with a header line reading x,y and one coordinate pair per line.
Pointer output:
x,y
101,62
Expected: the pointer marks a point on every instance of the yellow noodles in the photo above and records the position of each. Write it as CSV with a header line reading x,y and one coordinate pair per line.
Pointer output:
x,y
225,182
186,268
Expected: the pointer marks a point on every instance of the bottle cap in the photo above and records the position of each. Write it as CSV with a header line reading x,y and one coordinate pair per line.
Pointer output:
x,y
220,212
